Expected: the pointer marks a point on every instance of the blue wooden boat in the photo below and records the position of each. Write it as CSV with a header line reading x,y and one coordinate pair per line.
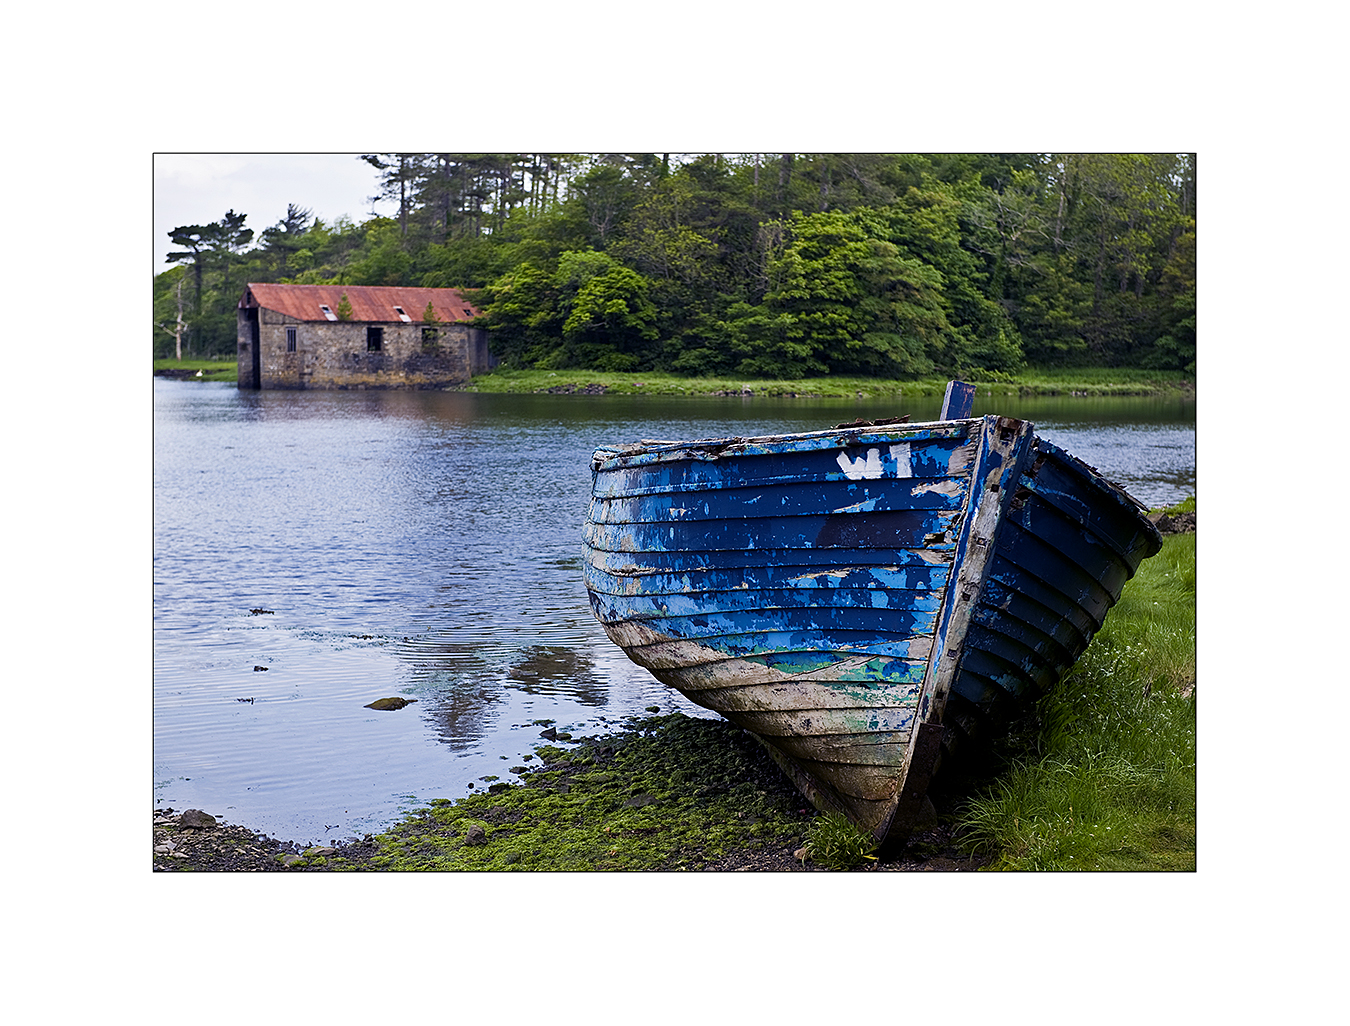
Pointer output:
x,y
860,598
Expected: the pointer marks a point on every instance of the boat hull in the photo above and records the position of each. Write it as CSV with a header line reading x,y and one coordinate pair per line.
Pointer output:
x,y
836,592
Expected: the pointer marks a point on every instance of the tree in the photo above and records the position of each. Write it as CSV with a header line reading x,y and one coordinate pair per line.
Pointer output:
x,y
1175,347
287,237
386,261
178,277
398,181
521,309
1119,215
225,238
211,248
192,237
612,321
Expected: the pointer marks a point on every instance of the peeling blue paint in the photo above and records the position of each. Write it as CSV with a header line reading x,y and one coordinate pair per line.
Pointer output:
x,y
857,577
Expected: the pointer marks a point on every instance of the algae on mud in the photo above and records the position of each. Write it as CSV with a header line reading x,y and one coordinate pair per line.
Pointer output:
x,y
667,793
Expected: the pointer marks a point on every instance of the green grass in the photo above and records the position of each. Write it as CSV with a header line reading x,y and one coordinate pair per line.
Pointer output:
x,y
212,370
1106,780
1090,381
835,843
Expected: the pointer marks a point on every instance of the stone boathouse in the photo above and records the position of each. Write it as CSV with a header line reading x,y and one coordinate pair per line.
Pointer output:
x,y
304,336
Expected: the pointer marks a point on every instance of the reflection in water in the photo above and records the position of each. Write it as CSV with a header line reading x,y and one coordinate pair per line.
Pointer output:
x,y
541,668
427,544
457,688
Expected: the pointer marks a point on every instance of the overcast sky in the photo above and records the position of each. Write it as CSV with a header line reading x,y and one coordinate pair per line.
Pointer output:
x,y
197,188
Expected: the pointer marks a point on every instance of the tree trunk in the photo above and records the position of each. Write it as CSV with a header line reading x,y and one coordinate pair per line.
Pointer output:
x,y
403,198
178,326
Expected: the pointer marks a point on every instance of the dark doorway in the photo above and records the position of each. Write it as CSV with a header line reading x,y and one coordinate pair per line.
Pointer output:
x,y
255,344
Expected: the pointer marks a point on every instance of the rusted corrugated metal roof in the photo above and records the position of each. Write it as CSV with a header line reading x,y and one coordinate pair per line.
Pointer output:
x,y
369,302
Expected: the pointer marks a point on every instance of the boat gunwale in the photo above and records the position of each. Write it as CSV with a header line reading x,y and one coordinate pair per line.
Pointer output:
x,y
641,454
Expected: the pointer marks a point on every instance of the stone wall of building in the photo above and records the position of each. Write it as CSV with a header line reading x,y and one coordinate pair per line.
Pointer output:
x,y
336,354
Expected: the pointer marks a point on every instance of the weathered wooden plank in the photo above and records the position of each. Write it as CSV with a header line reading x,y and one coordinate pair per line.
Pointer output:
x,y
784,609
796,678
887,458
803,499
798,695
849,584
785,562
814,728
795,448
698,648
957,401
894,529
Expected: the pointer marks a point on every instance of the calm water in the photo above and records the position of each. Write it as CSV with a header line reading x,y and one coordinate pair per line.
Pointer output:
x,y
428,545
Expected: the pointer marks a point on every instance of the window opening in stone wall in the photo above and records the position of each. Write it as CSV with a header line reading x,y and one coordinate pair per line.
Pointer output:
x,y
430,340
374,339
290,339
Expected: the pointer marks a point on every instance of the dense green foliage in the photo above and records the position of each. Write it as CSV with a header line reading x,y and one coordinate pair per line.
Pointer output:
x,y
1106,778
756,265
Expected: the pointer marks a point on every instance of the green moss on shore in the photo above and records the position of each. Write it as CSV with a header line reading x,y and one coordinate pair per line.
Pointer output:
x,y
666,793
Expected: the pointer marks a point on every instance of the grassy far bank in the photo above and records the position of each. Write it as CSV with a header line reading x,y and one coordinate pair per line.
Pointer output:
x,y
1087,381
1100,776
1090,381
211,370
